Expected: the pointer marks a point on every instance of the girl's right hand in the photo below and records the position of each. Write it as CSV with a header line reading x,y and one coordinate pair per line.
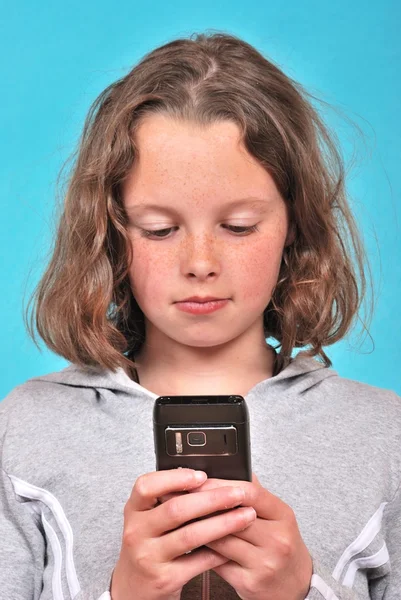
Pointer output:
x,y
153,564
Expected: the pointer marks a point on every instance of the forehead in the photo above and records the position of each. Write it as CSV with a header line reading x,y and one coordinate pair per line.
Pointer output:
x,y
177,157
164,130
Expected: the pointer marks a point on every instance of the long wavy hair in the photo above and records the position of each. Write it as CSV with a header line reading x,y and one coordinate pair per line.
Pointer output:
x,y
83,306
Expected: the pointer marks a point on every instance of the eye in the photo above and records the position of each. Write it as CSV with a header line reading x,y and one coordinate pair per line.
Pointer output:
x,y
158,233
163,233
245,230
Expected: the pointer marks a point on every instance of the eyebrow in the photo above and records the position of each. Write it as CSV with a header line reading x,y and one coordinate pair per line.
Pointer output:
x,y
251,202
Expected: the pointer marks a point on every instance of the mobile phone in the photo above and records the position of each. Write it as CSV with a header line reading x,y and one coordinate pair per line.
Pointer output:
x,y
207,433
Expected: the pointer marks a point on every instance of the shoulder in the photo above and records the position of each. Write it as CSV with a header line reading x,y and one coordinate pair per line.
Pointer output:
x,y
42,411
315,375
364,395
360,422
38,394
368,415
371,411
307,375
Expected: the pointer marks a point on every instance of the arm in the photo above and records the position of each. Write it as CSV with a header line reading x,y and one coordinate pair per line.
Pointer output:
x,y
22,547
385,582
27,542
384,578
325,587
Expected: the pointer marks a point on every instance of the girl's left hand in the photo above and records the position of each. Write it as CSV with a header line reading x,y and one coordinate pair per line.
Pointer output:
x,y
269,558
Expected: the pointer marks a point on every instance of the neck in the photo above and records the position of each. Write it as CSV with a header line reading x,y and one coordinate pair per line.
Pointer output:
x,y
231,368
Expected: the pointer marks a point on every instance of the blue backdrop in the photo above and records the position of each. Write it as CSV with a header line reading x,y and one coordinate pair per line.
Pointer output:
x,y
57,57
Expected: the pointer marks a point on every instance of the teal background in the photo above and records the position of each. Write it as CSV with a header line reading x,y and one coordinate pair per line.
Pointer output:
x,y
57,57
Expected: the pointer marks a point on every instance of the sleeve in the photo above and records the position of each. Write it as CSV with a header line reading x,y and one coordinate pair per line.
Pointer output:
x,y
23,550
22,546
92,595
388,586
23,542
384,580
325,587
89,596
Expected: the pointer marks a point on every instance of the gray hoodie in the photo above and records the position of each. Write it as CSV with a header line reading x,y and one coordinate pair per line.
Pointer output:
x,y
72,444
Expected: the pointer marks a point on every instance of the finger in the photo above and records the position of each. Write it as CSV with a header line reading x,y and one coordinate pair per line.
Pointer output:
x,y
263,533
211,484
166,497
192,536
149,487
232,573
194,564
179,510
238,550
267,505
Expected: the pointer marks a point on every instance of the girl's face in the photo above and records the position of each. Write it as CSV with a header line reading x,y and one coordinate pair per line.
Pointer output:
x,y
221,224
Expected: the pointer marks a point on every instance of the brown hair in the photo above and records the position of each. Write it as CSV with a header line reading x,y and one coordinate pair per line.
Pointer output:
x,y
84,308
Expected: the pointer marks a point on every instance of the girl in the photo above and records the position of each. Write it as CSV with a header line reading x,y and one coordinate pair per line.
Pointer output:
x,y
206,213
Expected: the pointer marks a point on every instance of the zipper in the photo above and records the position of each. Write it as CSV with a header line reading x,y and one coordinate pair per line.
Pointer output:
x,y
205,586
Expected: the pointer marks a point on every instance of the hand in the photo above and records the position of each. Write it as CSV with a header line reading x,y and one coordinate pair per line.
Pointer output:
x,y
154,563
269,559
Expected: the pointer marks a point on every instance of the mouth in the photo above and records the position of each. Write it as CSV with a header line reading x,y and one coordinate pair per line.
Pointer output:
x,y
202,300
203,307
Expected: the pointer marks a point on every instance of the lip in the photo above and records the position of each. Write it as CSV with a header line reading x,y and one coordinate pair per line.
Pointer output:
x,y
201,299
201,308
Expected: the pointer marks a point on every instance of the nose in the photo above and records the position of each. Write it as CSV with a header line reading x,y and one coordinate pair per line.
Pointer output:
x,y
200,257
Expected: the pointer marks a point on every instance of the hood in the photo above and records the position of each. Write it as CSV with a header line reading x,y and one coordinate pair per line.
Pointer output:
x,y
300,375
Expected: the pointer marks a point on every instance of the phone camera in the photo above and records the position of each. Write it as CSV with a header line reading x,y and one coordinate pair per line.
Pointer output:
x,y
196,438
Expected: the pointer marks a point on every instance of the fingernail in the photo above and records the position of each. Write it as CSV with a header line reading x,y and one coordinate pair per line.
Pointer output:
x,y
200,476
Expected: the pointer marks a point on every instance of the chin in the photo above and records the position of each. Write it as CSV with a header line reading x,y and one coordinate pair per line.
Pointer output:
x,y
205,343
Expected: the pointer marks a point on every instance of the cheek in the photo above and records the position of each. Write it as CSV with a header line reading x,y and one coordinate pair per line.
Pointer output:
x,y
148,270
257,268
